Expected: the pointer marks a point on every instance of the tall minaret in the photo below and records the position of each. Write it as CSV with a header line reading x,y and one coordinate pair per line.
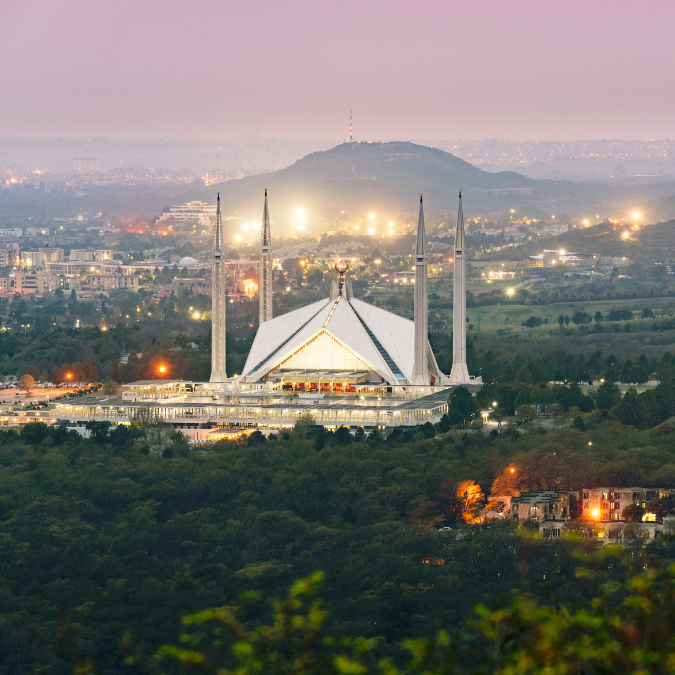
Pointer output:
x,y
218,302
266,278
421,363
459,373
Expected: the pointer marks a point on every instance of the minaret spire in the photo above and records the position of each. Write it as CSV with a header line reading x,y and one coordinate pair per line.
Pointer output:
x,y
421,362
460,372
218,301
266,278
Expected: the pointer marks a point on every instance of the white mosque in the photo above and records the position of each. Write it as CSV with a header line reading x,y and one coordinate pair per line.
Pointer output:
x,y
341,360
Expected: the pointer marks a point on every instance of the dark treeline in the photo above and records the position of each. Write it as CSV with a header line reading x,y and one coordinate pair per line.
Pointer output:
x,y
131,529
518,384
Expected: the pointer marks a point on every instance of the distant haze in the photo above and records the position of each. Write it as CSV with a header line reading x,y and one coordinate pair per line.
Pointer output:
x,y
293,69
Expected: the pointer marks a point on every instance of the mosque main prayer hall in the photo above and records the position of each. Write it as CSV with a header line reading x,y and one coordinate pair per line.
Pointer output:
x,y
341,360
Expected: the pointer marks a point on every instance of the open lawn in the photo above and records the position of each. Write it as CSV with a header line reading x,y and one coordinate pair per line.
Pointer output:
x,y
494,317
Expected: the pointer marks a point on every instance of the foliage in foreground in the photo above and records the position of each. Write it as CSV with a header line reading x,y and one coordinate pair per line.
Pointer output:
x,y
109,534
624,625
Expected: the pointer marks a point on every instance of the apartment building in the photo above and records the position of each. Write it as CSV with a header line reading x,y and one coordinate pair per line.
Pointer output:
x,y
550,508
10,256
198,211
37,231
29,259
242,276
194,286
607,503
11,233
51,254
40,257
113,282
26,283
78,266
85,164
94,255
6,284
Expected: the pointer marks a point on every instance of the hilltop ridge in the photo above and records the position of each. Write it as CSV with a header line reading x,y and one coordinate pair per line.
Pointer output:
x,y
357,177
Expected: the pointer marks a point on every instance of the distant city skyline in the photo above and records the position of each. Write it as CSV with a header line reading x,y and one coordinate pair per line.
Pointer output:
x,y
293,70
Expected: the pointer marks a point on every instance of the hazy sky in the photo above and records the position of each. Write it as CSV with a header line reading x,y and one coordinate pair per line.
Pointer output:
x,y
439,69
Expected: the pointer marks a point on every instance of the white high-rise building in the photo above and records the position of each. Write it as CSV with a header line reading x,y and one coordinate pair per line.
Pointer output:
x,y
218,302
421,318
460,372
266,279
198,211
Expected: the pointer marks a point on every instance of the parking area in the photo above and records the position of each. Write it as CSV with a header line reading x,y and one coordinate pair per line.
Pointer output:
x,y
11,398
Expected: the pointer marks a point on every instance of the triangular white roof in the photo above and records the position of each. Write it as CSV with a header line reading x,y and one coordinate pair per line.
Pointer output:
x,y
380,339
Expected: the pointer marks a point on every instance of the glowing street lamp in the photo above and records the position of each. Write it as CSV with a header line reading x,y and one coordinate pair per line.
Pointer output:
x,y
377,262
162,370
595,513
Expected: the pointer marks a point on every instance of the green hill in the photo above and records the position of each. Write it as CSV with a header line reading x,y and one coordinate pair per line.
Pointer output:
x,y
654,243
381,178
363,177
387,178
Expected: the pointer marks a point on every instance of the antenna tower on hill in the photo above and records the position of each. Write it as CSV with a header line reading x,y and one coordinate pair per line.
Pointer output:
x,y
350,126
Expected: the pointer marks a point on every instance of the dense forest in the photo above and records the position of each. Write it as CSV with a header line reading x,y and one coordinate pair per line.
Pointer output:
x,y
127,531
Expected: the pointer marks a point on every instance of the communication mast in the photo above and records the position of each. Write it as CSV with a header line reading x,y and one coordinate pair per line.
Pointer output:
x,y
350,126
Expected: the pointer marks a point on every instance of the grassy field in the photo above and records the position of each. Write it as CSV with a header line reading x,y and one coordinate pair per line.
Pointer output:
x,y
497,315
493,317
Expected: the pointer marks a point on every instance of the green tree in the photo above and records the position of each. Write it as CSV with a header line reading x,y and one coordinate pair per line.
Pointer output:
x,y
524,397
633,512
110,387
462,407
609,395
629,410
27,383
638,375
664,371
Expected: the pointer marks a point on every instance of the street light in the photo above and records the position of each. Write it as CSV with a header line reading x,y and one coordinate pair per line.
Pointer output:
x,y
162,370
377,262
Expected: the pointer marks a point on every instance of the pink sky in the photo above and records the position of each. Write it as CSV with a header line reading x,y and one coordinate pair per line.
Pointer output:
x,y
292,69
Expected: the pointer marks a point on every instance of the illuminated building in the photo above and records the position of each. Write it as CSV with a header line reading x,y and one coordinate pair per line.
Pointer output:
x,y
460,372
95,255
85,164
422,351
266,262
341,360
198,211
218,302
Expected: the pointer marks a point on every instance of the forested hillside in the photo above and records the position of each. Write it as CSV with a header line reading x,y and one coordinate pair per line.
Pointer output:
x,y
128,531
